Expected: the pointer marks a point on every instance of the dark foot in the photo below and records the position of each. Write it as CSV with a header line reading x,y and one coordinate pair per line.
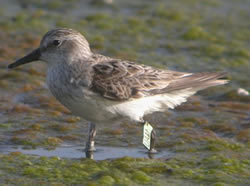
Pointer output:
x,y
89,154
90,145
152,149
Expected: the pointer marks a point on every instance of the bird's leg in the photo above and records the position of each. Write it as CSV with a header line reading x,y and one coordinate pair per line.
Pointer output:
x,y
152,136
89,154
90,145
152,144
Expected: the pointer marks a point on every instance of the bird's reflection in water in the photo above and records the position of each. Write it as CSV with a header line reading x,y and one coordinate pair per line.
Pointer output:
x,y
90,155
78,152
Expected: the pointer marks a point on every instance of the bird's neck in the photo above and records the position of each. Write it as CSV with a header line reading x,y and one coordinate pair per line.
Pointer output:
x,y
78,70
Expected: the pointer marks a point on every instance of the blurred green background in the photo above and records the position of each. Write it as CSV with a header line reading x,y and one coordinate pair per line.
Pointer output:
x,y
209,136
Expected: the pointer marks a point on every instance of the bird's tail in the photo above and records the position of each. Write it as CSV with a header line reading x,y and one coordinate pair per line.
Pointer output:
x,y
198,81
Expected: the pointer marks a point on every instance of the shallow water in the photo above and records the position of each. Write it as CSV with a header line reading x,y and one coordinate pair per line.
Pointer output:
x,y
207,138
77,152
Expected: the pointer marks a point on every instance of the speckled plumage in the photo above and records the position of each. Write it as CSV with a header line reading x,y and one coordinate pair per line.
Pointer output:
x,y
100,88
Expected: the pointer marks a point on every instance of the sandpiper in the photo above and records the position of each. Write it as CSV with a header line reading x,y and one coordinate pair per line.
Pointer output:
x,y
101,89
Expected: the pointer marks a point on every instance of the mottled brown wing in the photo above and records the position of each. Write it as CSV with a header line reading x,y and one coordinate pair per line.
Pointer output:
x,y
121,80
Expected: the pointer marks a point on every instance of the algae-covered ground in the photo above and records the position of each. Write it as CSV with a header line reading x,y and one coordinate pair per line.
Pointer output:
x,y
208,137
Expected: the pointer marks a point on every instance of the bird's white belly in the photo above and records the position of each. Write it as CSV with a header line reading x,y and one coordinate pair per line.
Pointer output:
x,y
93,107
90,107
135,109
77,98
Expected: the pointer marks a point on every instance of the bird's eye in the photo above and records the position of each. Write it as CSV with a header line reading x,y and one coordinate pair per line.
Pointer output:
x,y
56,42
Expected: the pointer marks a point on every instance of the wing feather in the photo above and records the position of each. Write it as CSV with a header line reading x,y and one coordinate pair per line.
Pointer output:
x,y
122,80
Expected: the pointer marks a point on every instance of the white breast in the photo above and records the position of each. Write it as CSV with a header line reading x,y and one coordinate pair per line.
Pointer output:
x,y
78,99
93,107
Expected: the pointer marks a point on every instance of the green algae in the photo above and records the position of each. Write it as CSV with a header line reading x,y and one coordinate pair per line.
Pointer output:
x,y
5,125
214,50
210,141
171,14
196,33
198,121
140,177
212,169
52,141
222,145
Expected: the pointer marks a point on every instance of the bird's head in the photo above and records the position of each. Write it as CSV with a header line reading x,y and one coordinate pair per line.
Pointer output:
x,y
58,46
